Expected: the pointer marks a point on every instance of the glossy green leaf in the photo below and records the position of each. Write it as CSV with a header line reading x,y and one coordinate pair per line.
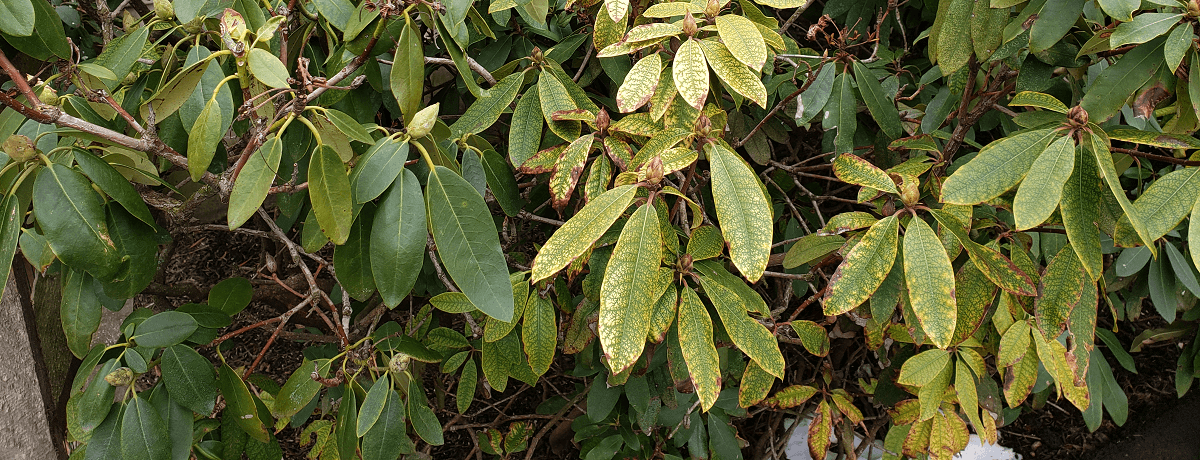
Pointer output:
x,y
1040,192
525,134
254,182
72,217
997,168
116,187
1109,173
17,17
47,40
299,389
467,242
407,77
689,71
172,95
640,83
743,40
347,421
1121,10
80,311
930,282
696,341
734,72
398,238
577,235
749,335
882,109
164,329
503,183
387,440
231,295
240,404
267,68
484,112
1113,85
1143,28
190,378
373,405
467,383
329,191
143,433
742,211
840,113
377,169
349,126
631,285
864,268
353,259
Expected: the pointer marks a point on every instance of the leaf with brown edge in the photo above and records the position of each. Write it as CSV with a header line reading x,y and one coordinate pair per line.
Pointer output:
x,y
814,337
734,73
640,83
1061,290
948,436
631,285
930,280
854,170
865,267
567,170
819,430
792,396
998,268
690,73
543,161
696,341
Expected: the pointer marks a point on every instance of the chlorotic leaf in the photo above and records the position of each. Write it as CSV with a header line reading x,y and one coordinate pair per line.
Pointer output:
x,y
864,268
749,335
630,289
640,83
696,341
930,282
742,210
854,170
577,235
539,333
690,72
733,72
1040,192
743,40
997,168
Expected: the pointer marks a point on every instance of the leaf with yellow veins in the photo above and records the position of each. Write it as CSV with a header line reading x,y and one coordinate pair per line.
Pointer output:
x,y
663,95
743,40
577,235
668,9
696,341
749,335
742,210
930,282
734,73
617,9
999,269
607,30
790,397
640,83
997,168
631,286
690,73
1042,189
1061,290
539,333
1080,209
854,170
567,170
664,311
864,268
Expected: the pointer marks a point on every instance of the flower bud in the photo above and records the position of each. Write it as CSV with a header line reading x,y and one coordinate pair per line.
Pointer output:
x,y
19,148
398,363
164,9
48,96
120,377
422,122
602,121
713,8
1193,8
1077,116
654,170
689,25
909,194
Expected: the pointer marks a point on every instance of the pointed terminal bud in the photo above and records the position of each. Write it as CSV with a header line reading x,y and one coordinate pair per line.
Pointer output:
x,y
536,54
423,121
19,148
1193,8
654,170
713,8
909,194
1077,116
602,121
689,25
120,377
703,126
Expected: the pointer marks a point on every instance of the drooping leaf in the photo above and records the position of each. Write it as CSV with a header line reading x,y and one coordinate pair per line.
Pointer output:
x,y
999,269
1061,289
387,440
754,386
930,282
953,36
424,421
344,430
240,404
742,210
407,77
1109,173
577,235
378,171
398,238
1040,192
841,114
749,335
864,268
997,168
72,217
486,110
329,192
373,405
143,433
882,109
539,333
1080,209
631,285
299,389
254,182
353,259
696,341
116,187
79,310
190,378
467,242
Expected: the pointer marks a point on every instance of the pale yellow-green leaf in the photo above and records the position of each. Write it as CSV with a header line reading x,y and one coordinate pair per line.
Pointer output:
x,y
640,83
864,268
742,211
749,335
625,47
734,73
652,31
854,170
554,98
664,311
690,73
617,9
754,386
668,9
577,235
792,396
607,30
1165,203
631,285
954,37
930,282
810,248
1108,171
696,341
997,168
567,170
1040,192
1039,100
919,370
743,40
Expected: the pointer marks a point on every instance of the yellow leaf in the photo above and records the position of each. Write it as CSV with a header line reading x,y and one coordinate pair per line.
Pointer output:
x,y
696,341
640,83
690,72
743,40
631,285
734,73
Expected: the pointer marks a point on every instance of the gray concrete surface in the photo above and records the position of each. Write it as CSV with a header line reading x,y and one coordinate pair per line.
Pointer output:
x,y
24,426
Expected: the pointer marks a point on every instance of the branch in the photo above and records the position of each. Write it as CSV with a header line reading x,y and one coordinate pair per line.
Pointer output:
x,y
478,68
1151,156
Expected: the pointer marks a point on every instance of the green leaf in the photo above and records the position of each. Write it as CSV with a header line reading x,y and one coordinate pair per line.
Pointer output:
x,y
525,135
840,113
733,72
854,170
1040,192
811,247
1193,235
1108,171
1165,203
254,182
373,405
1121,10
954,35
999,269
632,283
742,210
690,73
467,242
407,77
116,187
143,433
329,191
1061,289
997,168
452,302
424,422
743,40
240,404
164,329
80,310
1052,23
1080,209
267,68
47,40
378,169
921,369
495,329
987,29
231,295
640,83
539,333
1113,85
554,97
581,231
749,335
299,389
398,238
484,112
72,217
349,126
974,294
930,282
387,440
17,17
1143,28
347,421
172,95
864,268
465,393
203,139
1039,100
503,183
353,259
696,341
190,378
882,109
